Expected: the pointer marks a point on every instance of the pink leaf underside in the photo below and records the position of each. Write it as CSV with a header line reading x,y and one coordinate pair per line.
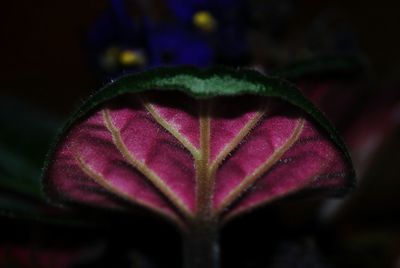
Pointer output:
x,y
171,153
336,99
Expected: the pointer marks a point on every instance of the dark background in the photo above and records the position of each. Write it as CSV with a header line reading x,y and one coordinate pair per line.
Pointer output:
x,y
43,62
42,56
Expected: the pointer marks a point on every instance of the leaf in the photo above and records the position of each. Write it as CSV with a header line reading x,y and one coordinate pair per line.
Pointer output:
x,y
18,174
323,67
375,125
336,85
24,140
27,255
191,144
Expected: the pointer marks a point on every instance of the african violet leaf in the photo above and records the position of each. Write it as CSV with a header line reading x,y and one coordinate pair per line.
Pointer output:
x,y
21,157
375,125
323,66
25,256
193,144
23,144
22,154
336,85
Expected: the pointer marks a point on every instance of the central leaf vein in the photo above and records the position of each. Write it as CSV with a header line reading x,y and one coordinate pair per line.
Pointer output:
x,y
204,182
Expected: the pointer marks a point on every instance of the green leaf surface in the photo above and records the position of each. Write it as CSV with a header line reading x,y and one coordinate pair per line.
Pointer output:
x,y
25,135
18,174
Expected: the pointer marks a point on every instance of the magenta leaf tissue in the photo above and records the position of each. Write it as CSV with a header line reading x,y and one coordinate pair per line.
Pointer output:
x,y
197,147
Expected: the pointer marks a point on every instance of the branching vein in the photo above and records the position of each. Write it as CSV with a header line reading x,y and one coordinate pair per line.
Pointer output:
x,y
141,167
166,125
236,141
107,185
250,179
300,187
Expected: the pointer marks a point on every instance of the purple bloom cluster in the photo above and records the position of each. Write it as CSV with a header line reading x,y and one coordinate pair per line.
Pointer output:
x,y
198,33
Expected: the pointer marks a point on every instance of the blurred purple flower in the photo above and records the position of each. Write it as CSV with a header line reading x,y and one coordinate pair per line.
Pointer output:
x,y
184,10
118,43
112,34
174,46
221,22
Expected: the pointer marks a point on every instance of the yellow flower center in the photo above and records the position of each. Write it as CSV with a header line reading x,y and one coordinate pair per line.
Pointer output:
x,y
131,58
204,21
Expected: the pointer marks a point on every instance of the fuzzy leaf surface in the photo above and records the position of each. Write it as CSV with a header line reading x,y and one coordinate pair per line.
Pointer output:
x,y
196,144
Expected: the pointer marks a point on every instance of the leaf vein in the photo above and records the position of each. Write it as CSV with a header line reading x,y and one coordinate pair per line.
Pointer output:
x,y
141,167
110,188
167,126
252,178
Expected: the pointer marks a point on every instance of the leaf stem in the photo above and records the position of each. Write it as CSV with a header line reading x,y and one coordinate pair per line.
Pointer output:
x,y
201,246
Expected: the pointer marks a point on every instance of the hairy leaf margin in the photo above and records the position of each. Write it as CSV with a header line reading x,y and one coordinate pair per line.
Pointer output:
x,y
202,84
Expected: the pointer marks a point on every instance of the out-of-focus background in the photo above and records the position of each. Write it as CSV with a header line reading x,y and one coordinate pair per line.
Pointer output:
x,y
43,42
54,54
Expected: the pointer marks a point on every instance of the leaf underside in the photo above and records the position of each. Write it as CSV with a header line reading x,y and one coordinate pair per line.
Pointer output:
x,y
188,158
